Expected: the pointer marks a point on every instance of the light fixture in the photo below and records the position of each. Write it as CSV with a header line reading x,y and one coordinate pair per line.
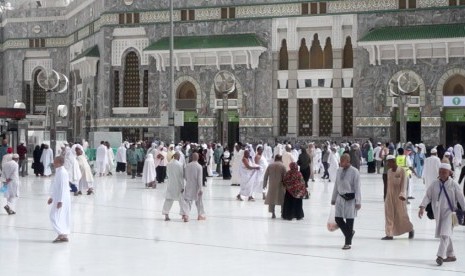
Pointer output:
x,y
5,6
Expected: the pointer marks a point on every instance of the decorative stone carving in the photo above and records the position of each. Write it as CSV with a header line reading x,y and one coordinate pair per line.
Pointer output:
x,y
31,64
269,10
124,122
126,38
430,121
372,121
207,122
256,122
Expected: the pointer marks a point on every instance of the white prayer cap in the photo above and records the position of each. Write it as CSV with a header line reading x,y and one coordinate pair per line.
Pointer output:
x,y
445,166
379,143
447,153
226,154
15,156
434,151
77,146
22,142
390,157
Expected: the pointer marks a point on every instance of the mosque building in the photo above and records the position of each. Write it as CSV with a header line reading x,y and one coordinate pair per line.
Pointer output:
x,y
303,69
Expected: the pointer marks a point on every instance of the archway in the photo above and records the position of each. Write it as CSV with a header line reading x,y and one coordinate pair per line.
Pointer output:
x,y
454,111
186,100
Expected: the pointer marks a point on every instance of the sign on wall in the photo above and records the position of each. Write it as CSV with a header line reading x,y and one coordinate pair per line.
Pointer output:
x,y
454,101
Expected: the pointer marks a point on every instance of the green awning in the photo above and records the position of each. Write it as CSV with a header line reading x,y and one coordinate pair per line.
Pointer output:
x,y
91,52
413,115
454,114
207,42
415,32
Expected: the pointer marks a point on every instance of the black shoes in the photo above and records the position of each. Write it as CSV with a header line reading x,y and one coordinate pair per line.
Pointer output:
x,y
411,234
439,261
9,210
387,238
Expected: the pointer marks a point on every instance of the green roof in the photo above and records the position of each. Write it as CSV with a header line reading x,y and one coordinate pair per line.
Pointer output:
x,y
207,42
90,52
415,32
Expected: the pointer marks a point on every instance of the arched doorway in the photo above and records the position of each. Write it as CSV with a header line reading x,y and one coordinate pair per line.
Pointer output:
x,y
186,100
454,111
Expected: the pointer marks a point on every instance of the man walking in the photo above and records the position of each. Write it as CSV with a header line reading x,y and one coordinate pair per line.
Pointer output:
x,y
273,179
87,179
175,187
101,159
22,152
193,190
347,198
11,176
395,207
60,199
431,170
443,194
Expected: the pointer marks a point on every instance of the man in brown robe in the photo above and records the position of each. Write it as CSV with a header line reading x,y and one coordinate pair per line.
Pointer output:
x,y
395,205
274,176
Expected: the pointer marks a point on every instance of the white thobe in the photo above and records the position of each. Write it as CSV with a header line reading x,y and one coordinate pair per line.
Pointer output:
x,y
72,167
333,166
268,153
148,174
59,192
317,159
101,158
47,159
175,171
431,170
288,158
236,165
111,159
210,162
121,154
458,152
10,171
87,178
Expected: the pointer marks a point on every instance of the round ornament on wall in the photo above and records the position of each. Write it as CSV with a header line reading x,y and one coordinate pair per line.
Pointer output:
x,y
36,29
128,2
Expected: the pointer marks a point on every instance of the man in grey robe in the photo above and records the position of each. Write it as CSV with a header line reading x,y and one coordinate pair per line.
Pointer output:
x,y
175,187
193,189
347,198
273,179
11,175
437,194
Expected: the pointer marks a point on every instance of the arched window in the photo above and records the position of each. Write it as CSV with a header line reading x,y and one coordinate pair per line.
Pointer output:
x,y
328,54
455,86
39,96
131,90
348,55
304,57
186,96
316,54
283,56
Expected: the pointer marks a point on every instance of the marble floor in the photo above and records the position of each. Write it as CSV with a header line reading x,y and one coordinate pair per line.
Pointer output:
x,y
120,231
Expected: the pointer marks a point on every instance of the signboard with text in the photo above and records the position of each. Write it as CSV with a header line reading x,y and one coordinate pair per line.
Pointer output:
x,y
454,101
12,113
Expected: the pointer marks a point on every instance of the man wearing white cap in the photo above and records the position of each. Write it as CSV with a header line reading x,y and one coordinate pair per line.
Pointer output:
x,y
11,175
87,178
431,169
443,194
395,205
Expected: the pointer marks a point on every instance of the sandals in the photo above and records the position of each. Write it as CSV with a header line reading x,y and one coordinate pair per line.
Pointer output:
x,y
346,247
60,240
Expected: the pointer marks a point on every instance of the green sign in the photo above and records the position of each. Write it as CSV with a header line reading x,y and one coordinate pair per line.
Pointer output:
x,y
191,117
454,114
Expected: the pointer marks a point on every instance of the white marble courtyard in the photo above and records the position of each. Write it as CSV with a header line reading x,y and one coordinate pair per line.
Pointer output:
x,y
120,231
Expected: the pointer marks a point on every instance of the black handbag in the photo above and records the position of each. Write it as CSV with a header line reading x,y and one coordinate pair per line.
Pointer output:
x,y
429,211
348,196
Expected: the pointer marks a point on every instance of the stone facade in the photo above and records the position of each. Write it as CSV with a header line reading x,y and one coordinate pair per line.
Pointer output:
x,y
68,31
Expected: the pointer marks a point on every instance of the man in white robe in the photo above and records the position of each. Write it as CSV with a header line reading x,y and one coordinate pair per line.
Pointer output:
x,y
110,158
60,213
430,171
288,157
175,187
236,165
46,159
458,153
317,160
333,161
101,159
72,167
87,178
148,174
11,175
443,194
248,172
268,153
261,161
121,159
193,189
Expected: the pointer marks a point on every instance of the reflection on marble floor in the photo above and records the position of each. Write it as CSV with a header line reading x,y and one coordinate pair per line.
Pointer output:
x,y
120,231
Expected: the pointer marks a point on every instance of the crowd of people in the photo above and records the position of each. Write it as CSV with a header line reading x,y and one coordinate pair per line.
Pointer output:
x,y
280,175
